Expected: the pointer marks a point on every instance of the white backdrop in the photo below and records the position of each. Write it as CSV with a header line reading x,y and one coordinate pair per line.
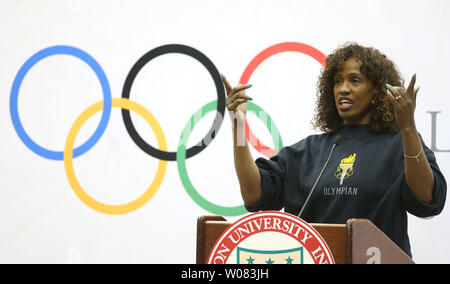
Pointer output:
x,y
42,220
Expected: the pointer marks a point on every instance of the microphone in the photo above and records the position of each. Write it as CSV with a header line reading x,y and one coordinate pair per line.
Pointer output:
x,y
336,141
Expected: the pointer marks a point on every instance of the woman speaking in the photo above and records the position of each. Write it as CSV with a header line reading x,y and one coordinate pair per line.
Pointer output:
x,y
370,162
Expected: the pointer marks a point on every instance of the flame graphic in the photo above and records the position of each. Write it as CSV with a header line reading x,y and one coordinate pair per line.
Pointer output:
x,y
349,160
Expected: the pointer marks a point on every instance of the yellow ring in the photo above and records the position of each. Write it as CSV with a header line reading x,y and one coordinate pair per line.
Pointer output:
x,y
68,158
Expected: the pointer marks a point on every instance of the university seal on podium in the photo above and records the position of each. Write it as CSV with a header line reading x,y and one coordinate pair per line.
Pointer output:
x,y
270,237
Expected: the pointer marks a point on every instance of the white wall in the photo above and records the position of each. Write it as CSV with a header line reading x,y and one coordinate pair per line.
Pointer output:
x,y
44,221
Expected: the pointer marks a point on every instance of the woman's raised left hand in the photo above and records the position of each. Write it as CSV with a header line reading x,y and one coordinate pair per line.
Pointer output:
x,y
404,103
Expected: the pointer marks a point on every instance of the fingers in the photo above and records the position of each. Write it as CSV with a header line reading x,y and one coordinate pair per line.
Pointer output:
x,y
395,93
391,97
231,90
239,97
240,89
235,96
389,94
399,93
227,85
410,88
415,93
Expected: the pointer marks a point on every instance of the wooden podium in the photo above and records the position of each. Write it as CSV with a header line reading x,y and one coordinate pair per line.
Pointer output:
x,y
357,242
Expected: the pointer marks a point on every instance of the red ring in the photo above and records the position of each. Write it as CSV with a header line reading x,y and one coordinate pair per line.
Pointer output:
x,y
263,55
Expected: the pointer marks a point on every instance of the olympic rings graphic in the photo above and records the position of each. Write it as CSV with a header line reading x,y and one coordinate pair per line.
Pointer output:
x,y
181,161
128,105
174,48
68,161
260,58
68,50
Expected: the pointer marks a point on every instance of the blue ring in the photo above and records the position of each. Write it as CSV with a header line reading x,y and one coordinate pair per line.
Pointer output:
x,y
107,101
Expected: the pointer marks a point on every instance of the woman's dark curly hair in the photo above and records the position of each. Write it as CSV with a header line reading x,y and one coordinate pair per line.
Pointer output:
x,y
377,68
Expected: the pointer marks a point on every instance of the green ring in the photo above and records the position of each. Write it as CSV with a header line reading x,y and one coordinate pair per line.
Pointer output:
x,y
181,160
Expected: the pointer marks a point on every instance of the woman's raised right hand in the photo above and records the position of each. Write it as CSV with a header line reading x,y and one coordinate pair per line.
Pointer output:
x,y
236,100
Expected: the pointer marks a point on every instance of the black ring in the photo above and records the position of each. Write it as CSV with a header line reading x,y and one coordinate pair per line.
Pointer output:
x,y
187,50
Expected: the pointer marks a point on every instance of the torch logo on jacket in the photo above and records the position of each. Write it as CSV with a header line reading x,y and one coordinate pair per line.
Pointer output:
x,y
345,168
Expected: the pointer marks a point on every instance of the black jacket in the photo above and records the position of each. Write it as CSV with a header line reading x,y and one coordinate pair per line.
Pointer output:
x,y
365,178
